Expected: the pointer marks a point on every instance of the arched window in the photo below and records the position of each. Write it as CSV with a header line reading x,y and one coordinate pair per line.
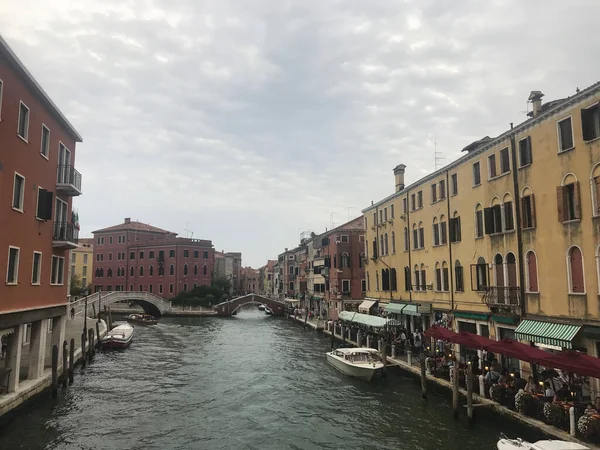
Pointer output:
x,y
151,269
415,236
109,272
386,244
445,277
393,280
532,272
361,260
507,213
345,260
595,186
393,242
417,278
368,282
527,209
101,272
436,231
172,270
161,270
443,230
423,278
205,270
376,280
511,270
499,270
407,279
97,274
185,270
421,235
482,274
195,269
568,199
132,271
141,271
381,246
438,277
385,279
406,242
459,281
478,221
575,271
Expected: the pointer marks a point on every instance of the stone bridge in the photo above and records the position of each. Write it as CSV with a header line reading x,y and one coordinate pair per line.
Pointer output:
x,y
152,304
231,306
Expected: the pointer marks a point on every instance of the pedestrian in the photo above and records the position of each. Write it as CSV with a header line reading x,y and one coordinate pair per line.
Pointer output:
x,y
72,313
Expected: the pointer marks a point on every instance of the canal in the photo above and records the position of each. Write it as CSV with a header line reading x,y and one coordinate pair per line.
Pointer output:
x,y
249,382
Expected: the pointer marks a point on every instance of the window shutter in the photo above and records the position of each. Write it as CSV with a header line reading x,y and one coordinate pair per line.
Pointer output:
x,y
508,216
529,151
560,203
45,201
452,230
577,198
497,218
458,232
488,217
421,238
532,206
423,280
444,233
446,279
407,280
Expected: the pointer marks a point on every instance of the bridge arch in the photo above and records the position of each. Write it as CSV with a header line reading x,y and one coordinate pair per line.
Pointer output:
x,y
152,304
229,307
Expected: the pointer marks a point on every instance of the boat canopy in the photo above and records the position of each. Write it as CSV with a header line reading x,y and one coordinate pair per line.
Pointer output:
x,y
363,319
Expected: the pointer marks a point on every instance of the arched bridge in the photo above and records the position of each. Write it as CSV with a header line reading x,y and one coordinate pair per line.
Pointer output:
x,y
152,304
229,307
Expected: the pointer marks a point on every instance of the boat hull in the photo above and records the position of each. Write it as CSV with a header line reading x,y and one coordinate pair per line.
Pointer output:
x,y
118,337
113,343
363,373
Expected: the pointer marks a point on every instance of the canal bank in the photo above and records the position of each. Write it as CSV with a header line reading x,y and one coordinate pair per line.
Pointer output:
x,y
29,389
411,366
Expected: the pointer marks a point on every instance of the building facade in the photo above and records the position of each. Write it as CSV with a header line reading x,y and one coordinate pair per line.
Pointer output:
x,y
504,241
250,280
82,262
134,256
229,265
267,278
37,184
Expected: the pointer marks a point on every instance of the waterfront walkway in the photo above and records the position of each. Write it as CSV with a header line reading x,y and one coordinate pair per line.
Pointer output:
x,y
413,367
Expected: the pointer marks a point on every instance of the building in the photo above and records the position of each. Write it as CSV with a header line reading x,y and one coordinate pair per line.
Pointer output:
x,y
250,280
82,262
229,265
502,242
134,256
37,183
267,278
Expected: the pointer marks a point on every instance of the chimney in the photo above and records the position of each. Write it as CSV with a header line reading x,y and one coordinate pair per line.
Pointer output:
x,y
399,174
127,219
535,97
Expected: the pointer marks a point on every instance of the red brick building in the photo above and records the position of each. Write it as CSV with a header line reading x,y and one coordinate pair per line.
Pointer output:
x,y
37,184
134,256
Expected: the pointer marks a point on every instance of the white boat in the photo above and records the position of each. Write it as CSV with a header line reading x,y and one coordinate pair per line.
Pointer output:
x,y
511,444
118,337
261,307
361,363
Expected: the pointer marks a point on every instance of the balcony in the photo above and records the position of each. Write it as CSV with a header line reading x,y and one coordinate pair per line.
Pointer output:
x,y
68,181
65,235
504,297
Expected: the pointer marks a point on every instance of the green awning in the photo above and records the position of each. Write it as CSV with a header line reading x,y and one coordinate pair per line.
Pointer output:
x,y
470,315
504,319
591,332
549,333
402,308
363,319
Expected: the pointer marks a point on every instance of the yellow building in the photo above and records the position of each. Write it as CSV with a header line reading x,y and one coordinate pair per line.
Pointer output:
x,y
505,240
82,261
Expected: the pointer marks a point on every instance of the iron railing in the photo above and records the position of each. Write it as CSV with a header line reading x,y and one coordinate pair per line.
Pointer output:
x,y
65,232
68,175
502,296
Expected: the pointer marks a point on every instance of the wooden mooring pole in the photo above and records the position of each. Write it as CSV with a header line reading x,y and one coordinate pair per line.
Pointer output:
x,y
54,371
65,364
98,334
455,397
83,350
470,392
71,359
423,376
91,348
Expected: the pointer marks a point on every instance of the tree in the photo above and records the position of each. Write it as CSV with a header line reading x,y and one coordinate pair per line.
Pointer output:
x,y
221,282
77,287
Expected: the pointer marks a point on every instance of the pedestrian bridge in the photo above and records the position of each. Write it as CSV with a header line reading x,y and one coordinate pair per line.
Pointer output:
x,y
230,307
152,304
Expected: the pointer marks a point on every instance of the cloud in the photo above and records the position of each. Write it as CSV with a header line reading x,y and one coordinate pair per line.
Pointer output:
x,y
252,120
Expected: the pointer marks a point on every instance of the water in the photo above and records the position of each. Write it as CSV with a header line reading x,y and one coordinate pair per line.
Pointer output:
x,y
249,382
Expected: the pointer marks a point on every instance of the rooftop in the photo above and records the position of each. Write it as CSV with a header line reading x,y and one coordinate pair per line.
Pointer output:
x,y
129,225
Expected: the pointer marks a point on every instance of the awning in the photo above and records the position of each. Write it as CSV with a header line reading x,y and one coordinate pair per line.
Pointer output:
x,y
504,319
366,305
559,334
470,315
410,309
363,319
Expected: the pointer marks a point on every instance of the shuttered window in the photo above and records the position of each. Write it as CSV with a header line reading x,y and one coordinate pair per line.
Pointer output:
x,y
568,202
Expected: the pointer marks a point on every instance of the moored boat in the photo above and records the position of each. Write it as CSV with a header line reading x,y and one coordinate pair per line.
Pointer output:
x,y
118,337
261,307
268,311
361,363
505,443
142,319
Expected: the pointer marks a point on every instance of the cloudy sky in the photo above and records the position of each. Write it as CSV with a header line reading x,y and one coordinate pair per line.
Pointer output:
x,y
247,121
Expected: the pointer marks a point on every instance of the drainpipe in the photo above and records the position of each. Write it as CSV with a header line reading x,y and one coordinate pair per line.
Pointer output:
x,y
513,151
451,265
408,232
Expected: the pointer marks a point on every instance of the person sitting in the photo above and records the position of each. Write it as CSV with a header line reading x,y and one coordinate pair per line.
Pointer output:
x,y
531,386
549,392
492,377
562,394
519,382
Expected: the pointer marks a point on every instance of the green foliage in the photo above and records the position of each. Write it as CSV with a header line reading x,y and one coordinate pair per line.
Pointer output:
x,y
221,282
77,287
199,296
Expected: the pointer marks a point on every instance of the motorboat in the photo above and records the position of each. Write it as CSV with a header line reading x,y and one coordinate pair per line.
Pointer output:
x,y
142,319
511,444
118,337
261,307
361,363
268,311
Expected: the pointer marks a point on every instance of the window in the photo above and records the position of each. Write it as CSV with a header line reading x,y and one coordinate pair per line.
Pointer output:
x,y
172,270
492,166
575,268
454,225
361,262
476,174
442,189
478,221
532,272
507,211
205,254
433,193
381,247
150,288
84,271
590,122
132,271
85,258
18,192
376,280
436,231
170,289
171,253
406,239
363,285
445,277
393,242
185,270
565,135
45,146
504,161
346,286
109,273
345,260
458,277
131,255
392,211
386,244
423,278
45,200
380,215
110,240
417,278
525,157
57,271
527,210
568,200
23,128
110,256
291,286
443,231
493,218
186,253
421,235
407,280
405,205
413,202
141,271
205,270
160,289
195,269
420,199
361,239
12,270
385,215
438,277
481,275
141,255
454,183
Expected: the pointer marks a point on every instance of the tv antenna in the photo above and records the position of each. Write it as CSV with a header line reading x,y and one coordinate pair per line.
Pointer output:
x,y
188,233
437,158
349,208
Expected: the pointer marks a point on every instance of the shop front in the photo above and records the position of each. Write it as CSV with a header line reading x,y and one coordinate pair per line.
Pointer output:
x,y
413,316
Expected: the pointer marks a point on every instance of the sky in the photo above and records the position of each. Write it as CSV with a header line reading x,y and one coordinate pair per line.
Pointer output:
x,y
248,122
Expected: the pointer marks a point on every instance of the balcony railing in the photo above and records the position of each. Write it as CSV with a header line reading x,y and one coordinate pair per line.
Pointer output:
x,y
65,235
502,296
68,180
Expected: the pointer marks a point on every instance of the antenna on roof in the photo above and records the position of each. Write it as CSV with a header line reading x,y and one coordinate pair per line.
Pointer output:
x,y
436,155
191,233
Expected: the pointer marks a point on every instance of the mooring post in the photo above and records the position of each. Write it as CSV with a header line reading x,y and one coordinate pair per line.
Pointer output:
x,y
71,358
423,376
98,334
83,350
470,392
482,386
91,348
358,338
393,351
572,423
65,364
409,357
455,397
305,318
54,371
94,309
110,321
368,341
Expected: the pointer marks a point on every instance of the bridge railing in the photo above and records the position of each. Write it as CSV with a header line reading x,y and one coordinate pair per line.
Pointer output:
x,y
98,299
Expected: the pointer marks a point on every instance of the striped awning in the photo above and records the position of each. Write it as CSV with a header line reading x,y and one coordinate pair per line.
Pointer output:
x,y
549,333
402,308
